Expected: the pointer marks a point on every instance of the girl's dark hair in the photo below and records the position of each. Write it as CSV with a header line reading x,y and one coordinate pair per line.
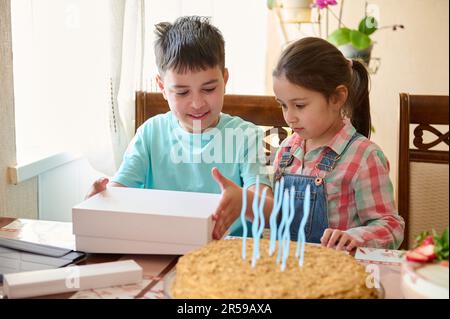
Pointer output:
x,y
316,64
190,43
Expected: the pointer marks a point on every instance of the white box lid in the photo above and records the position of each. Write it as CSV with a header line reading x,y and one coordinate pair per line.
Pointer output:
x,y
147,215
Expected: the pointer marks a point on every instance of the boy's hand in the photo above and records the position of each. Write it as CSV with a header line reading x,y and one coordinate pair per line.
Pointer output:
x,y
338,239
98,187
230,204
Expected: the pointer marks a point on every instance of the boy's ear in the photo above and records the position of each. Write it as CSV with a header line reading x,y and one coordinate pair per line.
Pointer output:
x,y
339,97
225,77
160,83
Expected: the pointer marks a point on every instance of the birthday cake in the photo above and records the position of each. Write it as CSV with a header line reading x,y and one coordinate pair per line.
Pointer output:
x,y
217,270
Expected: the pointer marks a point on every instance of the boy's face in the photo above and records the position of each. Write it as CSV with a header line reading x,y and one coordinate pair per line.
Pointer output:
x,y
195,97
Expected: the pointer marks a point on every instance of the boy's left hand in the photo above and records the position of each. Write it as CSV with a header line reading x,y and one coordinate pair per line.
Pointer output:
x,y
338,239
230,204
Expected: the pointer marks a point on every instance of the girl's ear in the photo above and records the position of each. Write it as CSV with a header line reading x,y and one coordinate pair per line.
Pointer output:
x,y
339,97
160,83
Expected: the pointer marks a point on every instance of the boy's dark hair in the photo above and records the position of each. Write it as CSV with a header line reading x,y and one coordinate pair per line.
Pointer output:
x,y
318,65
190,43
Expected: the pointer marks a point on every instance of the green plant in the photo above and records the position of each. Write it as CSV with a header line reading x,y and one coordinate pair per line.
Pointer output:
x,y
359,38
270,4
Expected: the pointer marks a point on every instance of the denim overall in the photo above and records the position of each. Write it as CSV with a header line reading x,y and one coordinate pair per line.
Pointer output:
x,y
318,218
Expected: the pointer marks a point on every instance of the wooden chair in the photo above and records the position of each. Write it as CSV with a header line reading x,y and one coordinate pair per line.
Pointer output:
x,y
262,110
423,187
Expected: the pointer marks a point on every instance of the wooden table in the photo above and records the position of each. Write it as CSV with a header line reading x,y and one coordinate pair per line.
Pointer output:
x,y
155,267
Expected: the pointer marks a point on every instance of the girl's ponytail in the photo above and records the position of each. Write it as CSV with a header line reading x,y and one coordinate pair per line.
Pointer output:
x,y
359,99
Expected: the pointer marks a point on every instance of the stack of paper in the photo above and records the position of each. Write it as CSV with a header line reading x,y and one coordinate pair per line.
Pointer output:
x,y
12,260
23,247
143,221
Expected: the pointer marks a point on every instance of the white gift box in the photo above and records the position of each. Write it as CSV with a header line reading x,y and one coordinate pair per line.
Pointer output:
x,y
144,221
123,246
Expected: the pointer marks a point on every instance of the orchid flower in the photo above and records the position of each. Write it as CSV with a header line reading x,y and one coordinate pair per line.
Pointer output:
x,y
322,4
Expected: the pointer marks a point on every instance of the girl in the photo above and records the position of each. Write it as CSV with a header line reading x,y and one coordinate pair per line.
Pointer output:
x,y
325,101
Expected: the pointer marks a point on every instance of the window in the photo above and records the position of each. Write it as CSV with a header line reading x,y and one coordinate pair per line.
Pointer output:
x,y
62,66
60,75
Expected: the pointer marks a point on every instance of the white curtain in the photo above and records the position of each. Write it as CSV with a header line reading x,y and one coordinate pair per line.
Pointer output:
x,y
77,64
127,37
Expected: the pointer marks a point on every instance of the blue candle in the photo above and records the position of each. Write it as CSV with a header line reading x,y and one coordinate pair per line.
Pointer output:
x,y
306,205
273,220
287,228
284,217
277,200
255,225
243,221
261,221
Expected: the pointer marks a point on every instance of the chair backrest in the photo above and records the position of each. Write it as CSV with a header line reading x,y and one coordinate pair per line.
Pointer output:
x,y
262,110
423,188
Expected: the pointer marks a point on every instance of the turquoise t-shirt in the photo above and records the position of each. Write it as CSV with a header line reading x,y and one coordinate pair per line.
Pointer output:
x,y
162,155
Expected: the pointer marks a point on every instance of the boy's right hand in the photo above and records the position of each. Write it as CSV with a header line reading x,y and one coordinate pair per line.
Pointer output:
x,y
229,206
98,187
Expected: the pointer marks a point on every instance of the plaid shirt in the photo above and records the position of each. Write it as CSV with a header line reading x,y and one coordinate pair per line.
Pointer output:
x,y
359,191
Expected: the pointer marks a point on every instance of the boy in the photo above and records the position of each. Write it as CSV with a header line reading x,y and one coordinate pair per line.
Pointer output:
x,y
179,150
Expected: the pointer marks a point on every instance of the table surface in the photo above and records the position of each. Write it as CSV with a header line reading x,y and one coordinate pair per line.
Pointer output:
x,y
156,267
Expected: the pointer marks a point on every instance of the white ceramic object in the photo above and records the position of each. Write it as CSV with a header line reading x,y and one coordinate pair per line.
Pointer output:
x,y
425,281
296,10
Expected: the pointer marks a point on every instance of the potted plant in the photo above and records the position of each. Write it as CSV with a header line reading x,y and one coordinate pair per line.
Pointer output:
x,y
293,11
353,43
356,43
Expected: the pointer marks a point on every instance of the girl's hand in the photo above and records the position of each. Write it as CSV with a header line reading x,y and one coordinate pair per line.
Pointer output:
x,y
230,204
338,239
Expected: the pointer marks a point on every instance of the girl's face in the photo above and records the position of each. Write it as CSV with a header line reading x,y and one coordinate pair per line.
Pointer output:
x,y
195,98
308,112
